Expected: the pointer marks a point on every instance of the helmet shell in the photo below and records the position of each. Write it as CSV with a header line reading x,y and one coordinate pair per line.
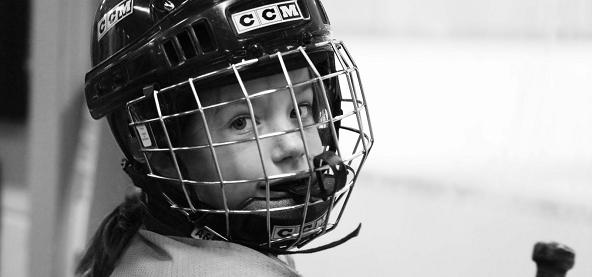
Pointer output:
x,y
136,43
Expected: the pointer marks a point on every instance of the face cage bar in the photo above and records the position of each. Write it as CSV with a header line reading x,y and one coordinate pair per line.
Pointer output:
x,y
360,151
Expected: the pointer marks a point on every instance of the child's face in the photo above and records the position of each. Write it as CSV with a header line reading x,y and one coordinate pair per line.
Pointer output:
x,y
273,112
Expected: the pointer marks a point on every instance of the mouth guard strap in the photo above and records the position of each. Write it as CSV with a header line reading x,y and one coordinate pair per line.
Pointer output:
x,y
339,170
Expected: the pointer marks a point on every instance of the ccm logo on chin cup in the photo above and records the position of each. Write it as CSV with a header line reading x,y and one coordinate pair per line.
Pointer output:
x,y
267,15
280,232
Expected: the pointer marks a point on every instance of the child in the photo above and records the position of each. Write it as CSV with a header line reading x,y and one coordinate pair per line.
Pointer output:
x,y
243,124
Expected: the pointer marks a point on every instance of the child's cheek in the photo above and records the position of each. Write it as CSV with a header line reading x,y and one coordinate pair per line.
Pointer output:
x,y
313,141
240,161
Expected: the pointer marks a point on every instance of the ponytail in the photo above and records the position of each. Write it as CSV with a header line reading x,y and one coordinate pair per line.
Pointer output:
x,y
112,238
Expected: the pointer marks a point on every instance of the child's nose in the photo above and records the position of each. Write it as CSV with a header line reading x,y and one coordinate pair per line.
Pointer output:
x,y
288,151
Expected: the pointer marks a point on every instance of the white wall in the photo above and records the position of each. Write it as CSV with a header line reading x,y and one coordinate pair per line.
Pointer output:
x,y
482,18
482,149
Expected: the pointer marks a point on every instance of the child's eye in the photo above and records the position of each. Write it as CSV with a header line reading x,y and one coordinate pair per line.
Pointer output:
x,y
241,123
305,111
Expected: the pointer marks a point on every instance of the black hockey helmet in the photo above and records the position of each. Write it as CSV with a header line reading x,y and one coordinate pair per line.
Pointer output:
x,y
151,60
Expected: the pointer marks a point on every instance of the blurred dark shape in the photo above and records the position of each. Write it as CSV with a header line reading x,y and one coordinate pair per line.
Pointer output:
x,y
552,259
14,53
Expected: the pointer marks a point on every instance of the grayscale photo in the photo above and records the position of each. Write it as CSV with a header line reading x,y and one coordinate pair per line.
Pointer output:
x,y
185,138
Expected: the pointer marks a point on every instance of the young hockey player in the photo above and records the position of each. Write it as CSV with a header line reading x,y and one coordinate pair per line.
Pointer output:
x,y
244,125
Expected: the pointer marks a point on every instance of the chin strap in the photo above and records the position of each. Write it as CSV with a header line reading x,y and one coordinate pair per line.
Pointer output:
x,y
339,172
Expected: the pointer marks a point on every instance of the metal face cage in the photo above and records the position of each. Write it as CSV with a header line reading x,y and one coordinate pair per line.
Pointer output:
x,y
167,121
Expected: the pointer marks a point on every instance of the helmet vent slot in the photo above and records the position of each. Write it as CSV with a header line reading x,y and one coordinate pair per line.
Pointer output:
x,y
203,32
186,45
171,53
322,11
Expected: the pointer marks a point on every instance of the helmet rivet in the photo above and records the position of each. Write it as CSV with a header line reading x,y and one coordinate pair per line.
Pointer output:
x,y
255,50
306,38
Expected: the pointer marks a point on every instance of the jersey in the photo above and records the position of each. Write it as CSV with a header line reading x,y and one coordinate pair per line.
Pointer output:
x,y
153,255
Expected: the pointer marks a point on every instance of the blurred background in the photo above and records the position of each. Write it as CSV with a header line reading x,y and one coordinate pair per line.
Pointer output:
x,y
480,110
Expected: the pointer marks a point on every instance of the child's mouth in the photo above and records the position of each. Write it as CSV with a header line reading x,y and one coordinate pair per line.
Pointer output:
x,y
299,188
296,186
259,203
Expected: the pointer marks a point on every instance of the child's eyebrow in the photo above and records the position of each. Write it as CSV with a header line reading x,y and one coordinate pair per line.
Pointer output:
x,y
230,105
237,102
230,98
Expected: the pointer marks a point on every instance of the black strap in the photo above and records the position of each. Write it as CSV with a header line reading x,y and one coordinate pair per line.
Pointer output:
x,y
339,172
